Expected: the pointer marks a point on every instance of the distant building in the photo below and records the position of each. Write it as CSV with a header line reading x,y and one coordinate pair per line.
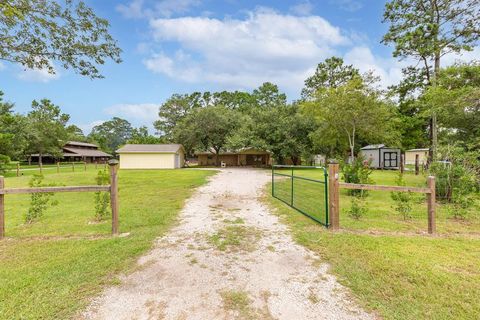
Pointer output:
x,y
151,156
244,157
411,154
75,151
381,157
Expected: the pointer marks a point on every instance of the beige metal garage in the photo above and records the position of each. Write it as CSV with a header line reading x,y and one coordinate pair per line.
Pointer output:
x,y
151,156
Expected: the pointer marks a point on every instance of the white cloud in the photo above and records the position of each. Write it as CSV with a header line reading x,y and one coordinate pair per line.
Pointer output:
x,y
38,75
136,9
87,127
388,69
144,112
302,9
266,46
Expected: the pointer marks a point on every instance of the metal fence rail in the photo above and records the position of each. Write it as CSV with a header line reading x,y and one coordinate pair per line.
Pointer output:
x,y
304,188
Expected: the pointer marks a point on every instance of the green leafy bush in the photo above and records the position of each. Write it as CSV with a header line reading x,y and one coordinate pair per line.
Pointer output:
x,y
4,161
39,202
358,171
102,199
403,200
358,207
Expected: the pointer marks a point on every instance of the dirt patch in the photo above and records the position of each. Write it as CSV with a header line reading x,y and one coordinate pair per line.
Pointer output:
x,y
228,258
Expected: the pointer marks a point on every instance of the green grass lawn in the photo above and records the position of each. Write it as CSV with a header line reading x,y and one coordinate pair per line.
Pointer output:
x,y
381,215
65,167
49,269
398,275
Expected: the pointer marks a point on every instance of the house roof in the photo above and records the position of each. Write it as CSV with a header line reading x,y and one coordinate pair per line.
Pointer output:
x,y
419,149
150,148
77,152
80,144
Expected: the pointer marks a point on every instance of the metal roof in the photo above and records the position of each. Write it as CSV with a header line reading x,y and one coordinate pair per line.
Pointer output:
x,y
150,148
419,149
77,152
81,144
373,147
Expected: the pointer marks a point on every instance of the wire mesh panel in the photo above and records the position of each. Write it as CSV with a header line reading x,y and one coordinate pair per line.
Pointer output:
x,y
304,189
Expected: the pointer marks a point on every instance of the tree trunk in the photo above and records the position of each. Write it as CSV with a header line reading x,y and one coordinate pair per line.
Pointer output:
x,y
40,163
217,158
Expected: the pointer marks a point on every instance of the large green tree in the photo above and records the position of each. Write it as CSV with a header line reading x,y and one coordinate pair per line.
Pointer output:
x,y
142,136
111,134
47,131
208,129
427,30
349,113
38,33
331,73
13,131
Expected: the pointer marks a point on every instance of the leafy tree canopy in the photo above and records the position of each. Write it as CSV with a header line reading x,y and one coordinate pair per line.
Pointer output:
x,y
37,33
111,134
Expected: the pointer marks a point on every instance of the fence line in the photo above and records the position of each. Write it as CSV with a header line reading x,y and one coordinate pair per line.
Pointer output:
x,y
58,165
334,195
112,188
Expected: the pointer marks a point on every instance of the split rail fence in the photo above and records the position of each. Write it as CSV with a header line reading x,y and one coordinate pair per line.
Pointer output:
x,y
112,188
18,168
334,196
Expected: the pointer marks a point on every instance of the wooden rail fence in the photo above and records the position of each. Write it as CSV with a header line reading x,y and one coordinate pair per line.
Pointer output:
x,y
112,188
334,196
58,165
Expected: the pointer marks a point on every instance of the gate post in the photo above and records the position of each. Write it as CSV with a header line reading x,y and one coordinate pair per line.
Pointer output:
x,y
432,227
334,195
114,194
2,210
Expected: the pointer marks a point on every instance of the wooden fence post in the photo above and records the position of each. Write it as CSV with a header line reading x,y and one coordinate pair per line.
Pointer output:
x,y
431,205
58,166
73,166
2,209
18,169
96,164
417,165
334,195
85,165
402,163
114,194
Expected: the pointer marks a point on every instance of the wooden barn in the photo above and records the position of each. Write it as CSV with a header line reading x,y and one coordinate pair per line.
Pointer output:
x,y
75,151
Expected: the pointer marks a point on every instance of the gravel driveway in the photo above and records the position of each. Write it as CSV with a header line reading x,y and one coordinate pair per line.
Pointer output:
x,y
228,258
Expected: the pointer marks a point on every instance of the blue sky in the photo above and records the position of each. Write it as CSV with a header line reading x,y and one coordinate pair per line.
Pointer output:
x,y
179,46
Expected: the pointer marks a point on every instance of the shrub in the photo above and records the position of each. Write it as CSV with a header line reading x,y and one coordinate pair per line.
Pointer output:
x,y
403,200
39,202
358,171
102,199
358,207
4,161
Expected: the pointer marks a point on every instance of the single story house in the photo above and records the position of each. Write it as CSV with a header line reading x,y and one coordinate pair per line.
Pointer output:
x,y
411,154
151,156
75,151
243,157
381,157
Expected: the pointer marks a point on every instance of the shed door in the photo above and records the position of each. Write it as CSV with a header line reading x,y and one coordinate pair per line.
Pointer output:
x,y
390,160
177,160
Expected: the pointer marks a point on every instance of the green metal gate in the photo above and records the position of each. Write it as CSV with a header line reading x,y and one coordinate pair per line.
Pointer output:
x,y
303,188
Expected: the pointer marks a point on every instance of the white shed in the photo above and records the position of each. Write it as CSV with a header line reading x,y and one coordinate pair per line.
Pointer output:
x,y
381,157
151,156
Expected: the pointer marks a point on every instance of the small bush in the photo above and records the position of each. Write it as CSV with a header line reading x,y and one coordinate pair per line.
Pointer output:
x,y
4,161
102,199
403,200
358,207
358,171
39,202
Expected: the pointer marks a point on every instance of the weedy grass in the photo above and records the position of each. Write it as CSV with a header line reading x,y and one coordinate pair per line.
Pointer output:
x,y
49,269
393,271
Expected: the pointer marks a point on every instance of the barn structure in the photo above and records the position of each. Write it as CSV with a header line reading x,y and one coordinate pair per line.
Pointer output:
x,y
381,157
74,151
152,156
244,157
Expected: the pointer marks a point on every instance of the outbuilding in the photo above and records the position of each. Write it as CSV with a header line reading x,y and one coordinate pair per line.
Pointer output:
x,y
151,156
243,157
381,157
411,154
